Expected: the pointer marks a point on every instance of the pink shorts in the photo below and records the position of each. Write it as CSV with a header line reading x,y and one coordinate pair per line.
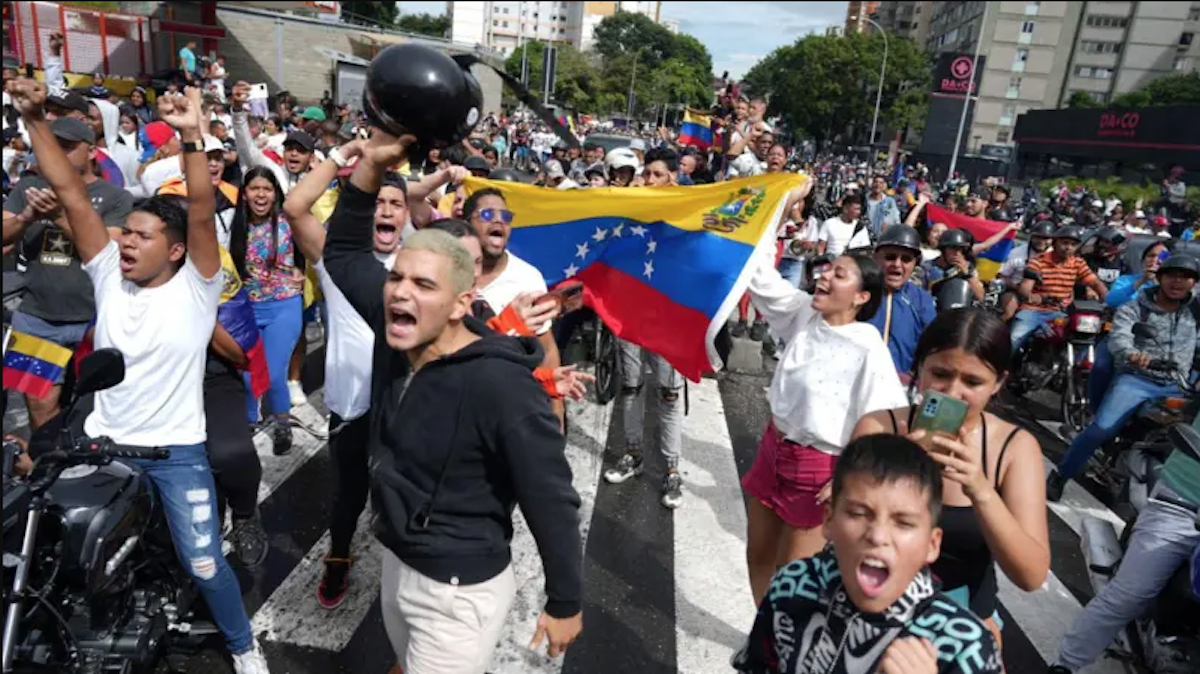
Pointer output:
x,y
786,477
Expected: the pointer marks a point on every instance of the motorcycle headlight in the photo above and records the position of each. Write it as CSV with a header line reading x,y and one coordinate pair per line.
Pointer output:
x,y
1088,324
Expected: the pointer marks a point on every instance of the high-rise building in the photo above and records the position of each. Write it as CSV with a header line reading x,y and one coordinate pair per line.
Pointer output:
x,y
856,14
1038,54
906,18
505,26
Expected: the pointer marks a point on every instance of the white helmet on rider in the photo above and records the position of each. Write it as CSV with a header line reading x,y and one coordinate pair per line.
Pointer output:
x,y
619,158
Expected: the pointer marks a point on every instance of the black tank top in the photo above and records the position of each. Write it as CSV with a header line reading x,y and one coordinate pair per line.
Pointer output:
x,y
966,561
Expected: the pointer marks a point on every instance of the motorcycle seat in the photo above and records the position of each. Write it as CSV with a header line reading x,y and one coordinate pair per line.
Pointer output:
x,y
1185,439
1086,307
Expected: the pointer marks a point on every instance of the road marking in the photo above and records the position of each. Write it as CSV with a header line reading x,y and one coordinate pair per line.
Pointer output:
x,y
277,469
1077,502
714,607
586,440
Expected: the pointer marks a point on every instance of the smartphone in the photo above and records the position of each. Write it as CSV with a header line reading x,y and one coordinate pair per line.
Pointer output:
x,y
563,293
939,414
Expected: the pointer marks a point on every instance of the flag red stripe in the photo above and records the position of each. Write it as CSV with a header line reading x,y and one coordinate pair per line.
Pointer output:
x,y
24,382
673,331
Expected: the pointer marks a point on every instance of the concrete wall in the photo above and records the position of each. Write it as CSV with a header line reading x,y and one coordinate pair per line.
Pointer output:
x,y
282,51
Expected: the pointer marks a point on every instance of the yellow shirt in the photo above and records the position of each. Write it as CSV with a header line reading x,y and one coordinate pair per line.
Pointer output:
x,y
322,210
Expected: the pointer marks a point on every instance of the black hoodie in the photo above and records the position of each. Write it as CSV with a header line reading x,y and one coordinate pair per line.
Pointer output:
x,y
476,415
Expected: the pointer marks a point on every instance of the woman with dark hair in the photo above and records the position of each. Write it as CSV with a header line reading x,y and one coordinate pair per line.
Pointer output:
x,y
993,475
834,369
260,243
129,129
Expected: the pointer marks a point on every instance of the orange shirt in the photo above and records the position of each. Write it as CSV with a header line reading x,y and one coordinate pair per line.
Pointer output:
x,y
1058,278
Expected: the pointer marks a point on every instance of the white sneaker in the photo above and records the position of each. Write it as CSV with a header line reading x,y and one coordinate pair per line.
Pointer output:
x,y
296,392
251,662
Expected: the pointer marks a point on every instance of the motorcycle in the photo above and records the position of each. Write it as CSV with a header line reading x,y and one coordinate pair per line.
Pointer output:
x,y
1167,639
93,585
1060,356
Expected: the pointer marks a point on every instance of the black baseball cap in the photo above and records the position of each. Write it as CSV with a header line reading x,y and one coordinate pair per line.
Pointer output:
x,y
73,130
65,98
476,163
302,139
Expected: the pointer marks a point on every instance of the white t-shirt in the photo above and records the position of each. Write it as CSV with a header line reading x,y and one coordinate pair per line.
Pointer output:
x,y
807,231
349,348
160,172
518,277
163,333
828,377
838,235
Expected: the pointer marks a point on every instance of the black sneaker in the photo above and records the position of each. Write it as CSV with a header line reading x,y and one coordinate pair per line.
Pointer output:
x,y
738,330
335,580
758,332
249,541
282,435
1054,486
629,466
672,490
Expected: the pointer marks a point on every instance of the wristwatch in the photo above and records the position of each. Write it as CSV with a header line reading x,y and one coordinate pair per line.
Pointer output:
x,y
192,146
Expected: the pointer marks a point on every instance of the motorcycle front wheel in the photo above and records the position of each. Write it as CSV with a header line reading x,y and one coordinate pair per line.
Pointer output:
x,y
1076,413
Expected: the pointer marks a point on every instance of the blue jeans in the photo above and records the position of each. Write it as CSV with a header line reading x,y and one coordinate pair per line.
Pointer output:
x,y
184,485
1026,322
280,323
1101,375
1127,393
791,270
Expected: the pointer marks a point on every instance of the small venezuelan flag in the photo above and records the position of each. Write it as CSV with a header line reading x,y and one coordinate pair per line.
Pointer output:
x,y
696,129
988,262
663,267
33,365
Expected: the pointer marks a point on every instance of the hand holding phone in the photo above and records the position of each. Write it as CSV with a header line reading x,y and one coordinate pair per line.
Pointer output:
x,y
939,414
565,292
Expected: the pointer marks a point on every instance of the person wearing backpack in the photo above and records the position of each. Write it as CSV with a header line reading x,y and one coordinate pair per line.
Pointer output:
x,y
1149,361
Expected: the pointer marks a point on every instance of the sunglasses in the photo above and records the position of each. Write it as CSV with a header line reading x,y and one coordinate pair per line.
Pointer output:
x,y
494,214
906,258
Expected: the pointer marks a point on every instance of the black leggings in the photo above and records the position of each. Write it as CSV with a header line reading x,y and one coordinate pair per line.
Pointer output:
x,y
348,447
230,444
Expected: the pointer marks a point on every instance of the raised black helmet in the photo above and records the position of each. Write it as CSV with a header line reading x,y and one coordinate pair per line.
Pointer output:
x,y
421,91
1043,229
1181,262
900,236
956,238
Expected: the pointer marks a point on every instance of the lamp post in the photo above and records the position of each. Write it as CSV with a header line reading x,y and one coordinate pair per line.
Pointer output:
x,y
962,119
882,70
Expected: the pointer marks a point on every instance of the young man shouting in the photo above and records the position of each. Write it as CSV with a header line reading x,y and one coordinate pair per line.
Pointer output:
x,y
157,287
868,602
460,434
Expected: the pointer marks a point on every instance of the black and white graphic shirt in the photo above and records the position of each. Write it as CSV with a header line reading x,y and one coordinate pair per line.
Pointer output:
x,y
808,625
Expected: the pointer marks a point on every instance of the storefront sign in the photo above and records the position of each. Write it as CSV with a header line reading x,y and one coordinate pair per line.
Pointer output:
x,y
958,75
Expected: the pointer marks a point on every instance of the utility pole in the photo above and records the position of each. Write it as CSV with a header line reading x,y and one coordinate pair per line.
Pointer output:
x,y
962,119
632,78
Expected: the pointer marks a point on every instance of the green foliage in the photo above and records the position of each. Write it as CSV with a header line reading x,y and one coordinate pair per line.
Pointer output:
x,y
370,13
1082,100
573,80
1128,193
816,84
1174,89
425,24
669,68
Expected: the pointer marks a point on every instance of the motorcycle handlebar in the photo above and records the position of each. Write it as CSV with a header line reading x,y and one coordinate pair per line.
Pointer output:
x,y
106,447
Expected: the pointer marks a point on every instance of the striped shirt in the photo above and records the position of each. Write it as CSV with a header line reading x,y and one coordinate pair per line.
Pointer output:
x,y
1058,279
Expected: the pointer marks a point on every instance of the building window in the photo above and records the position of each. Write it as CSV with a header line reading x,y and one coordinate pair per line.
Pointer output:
x,y
1002,136
1194,14
1089,47
1014,88
1008,114
1185,39
505,24
1094,72
495,23
1019,60
1031,8
1182,63
1027,27
1097,21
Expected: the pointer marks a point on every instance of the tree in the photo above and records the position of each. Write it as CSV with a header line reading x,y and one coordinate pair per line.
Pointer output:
x,y
1174,89
370,13
822,85
574,77
425,24
670,68
1082,100
628,32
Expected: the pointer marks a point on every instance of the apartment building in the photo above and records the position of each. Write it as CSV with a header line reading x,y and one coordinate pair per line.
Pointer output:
x,y
505,26
856,15
906,18
1037,54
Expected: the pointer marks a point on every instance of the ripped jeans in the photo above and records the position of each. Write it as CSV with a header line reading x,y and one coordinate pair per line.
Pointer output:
x,y
666,387
184,485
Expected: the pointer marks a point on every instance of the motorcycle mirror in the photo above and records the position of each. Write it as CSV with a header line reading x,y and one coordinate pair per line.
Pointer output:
x,y
1144,330
99,370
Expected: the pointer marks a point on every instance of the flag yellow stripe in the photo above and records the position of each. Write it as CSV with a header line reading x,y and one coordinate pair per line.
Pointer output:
x,y
686,208
40,349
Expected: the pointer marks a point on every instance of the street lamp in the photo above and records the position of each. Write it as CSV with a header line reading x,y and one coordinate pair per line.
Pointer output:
x,y
882,70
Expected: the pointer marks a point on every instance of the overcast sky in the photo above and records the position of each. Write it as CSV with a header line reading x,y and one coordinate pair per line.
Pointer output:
x,y
737,34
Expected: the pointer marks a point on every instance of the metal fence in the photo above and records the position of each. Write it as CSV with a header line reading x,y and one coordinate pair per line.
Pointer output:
x,y
94,41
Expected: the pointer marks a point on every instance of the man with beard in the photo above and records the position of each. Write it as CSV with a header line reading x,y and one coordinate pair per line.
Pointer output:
x,y
349,344
504,274
907,309
297,147
460,435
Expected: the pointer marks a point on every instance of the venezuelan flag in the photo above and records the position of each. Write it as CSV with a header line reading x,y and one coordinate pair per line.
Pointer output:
x,y
989,261
32,365
663,267
696,129
236,316
109,170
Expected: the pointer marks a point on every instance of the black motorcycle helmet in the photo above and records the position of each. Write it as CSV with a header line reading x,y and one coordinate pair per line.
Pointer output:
x,y
956,238
1073,232
1112,236
506,175
954,293
421,91
1043,229
900,236
1181,262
